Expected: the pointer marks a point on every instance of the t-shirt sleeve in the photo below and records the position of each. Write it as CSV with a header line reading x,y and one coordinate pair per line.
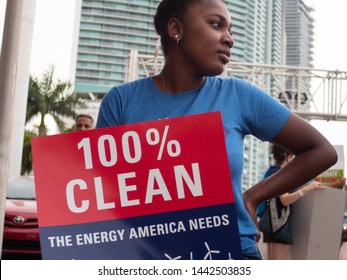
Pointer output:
x,y
264,116
109,111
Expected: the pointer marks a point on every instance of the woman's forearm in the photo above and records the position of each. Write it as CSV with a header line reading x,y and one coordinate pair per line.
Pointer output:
x,y
313,155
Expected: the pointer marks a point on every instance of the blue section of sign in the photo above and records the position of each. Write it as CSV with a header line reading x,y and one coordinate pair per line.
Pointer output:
x,y
200,233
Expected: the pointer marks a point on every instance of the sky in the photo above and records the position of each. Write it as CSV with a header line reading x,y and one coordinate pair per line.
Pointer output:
x,y
52,43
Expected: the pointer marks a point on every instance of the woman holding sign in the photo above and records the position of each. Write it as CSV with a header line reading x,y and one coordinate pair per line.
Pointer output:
x,y
196,38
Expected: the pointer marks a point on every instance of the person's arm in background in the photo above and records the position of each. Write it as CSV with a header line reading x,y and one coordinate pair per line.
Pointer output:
x,y
290,198
313,155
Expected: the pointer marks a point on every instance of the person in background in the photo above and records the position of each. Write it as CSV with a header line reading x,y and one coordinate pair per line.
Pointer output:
x,y
278,249
196,38
84,122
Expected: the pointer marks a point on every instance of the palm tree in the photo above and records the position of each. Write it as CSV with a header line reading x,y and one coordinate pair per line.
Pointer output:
x,y
27,165
46,97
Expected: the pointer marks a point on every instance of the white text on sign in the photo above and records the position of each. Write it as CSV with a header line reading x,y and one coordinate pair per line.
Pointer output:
x,y
156,186
131,147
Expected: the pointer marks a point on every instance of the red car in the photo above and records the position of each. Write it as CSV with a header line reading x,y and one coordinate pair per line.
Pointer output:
x,y
21,238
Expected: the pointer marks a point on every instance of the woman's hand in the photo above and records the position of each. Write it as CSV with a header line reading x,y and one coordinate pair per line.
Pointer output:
x,y
311,186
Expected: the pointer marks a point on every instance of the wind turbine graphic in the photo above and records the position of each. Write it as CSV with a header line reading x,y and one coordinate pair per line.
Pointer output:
x,y
210,252
170,258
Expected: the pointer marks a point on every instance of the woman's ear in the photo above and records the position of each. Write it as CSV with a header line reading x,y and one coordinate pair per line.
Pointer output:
x,y
174,29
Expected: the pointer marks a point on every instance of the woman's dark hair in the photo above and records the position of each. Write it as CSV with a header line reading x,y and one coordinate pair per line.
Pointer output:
x,y
279,154
165,11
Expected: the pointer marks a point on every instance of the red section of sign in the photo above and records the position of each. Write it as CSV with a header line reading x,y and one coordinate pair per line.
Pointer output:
x,y
131,170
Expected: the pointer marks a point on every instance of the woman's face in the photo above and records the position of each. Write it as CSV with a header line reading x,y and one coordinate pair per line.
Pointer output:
x,y
206,39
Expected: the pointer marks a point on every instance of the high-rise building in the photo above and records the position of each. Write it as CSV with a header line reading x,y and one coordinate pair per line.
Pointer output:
x,y
107,31
257,30
299,29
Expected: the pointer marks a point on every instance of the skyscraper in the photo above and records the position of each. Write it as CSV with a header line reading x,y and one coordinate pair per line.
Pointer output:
x,y
299,29
107,31
257,30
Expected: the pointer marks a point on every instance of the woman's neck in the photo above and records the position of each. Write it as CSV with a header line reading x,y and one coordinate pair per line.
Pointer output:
x,y
176,81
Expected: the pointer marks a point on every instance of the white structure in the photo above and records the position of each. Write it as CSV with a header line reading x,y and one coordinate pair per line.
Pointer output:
x,y
14,78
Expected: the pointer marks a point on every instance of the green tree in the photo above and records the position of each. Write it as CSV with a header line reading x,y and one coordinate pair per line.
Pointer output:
x,y
49,97
27,165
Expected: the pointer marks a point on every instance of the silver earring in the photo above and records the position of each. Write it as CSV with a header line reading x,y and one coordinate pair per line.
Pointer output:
x,y
177,39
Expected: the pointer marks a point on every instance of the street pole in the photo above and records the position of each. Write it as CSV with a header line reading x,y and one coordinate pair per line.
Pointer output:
x,y
11,74
22,85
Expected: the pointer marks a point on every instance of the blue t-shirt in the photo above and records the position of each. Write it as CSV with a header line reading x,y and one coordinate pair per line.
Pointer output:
x,y
245,109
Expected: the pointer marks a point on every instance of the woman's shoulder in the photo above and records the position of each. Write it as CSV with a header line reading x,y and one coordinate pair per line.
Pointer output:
x,y
141,82
234,82
128,89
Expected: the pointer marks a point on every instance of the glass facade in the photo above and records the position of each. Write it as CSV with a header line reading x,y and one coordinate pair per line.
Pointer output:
x,y
299,40
107,31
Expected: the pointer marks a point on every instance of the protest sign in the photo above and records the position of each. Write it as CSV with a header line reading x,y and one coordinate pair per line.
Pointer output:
x,y
153,190
335,172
